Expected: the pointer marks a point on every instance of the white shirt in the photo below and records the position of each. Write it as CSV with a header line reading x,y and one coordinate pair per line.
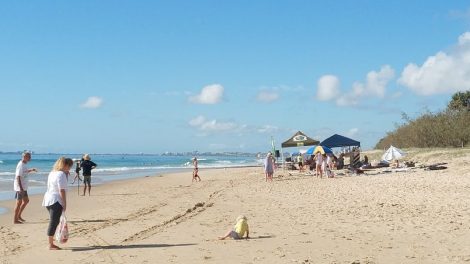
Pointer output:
x,y
56,181
22,173
319,159
329,160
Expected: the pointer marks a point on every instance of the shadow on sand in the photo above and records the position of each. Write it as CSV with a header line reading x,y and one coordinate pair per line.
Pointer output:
x,y
78,249
261,237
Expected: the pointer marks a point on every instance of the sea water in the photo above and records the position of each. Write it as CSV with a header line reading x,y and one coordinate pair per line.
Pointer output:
x,y
110,168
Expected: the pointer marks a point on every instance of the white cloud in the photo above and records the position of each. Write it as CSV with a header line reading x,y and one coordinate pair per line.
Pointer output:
x,y
267,129
210,94
444,72
375,85
376,82
92,102
197,121
201,123
208,126
267,96
347,100
328,87
352,132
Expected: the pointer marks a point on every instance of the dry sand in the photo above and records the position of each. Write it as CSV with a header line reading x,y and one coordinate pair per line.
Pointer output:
x,y
403,217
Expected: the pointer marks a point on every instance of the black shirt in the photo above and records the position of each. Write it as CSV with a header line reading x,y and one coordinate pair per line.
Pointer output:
x,y
86,166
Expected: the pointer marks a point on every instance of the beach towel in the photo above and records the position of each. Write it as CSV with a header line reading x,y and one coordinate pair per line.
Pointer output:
x,y
62,234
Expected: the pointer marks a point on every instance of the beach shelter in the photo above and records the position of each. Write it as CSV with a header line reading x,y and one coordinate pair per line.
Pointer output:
x,y
393,153
299,140
336,141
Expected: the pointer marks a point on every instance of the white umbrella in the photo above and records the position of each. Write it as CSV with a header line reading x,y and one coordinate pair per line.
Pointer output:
x,y
393,153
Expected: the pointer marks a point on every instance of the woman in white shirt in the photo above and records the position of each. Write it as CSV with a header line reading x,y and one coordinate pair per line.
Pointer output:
x,y
55,198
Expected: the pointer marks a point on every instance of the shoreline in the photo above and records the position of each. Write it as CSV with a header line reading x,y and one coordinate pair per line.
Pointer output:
x,y
40,190
416,216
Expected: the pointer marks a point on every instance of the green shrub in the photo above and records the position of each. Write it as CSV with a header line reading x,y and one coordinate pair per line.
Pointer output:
x,y
448,128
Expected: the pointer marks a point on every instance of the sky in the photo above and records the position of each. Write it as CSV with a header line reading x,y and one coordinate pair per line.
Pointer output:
x,y
155,76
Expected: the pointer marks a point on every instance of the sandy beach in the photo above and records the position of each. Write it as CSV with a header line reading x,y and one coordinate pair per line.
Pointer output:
x,y
415,216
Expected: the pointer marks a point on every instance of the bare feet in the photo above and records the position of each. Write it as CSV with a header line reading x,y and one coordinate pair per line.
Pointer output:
x,y
17,222
21,219
54,247
221,238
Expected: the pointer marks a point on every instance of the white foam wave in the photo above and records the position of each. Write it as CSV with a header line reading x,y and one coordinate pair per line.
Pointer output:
x,y
221,164
6,180
1,161
35,181
7,173
123,169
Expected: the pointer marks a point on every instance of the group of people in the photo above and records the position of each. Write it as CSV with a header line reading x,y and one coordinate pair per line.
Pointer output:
x,y
55,198
323,164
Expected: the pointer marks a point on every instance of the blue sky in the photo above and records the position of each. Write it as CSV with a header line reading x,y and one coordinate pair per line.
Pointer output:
x,y
155,76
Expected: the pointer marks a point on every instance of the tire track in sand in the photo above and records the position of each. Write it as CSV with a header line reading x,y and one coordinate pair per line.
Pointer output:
x,y
177,219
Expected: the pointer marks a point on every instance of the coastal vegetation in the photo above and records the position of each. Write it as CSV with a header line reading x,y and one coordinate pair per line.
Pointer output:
x,y
447,128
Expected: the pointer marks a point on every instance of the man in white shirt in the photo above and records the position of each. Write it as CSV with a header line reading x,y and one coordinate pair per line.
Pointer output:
x,y
21,187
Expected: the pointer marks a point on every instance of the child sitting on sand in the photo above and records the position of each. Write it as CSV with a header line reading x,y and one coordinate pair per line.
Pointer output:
x,y
239,230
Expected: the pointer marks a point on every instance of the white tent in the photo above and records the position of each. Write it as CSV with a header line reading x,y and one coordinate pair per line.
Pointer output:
x,y
393,153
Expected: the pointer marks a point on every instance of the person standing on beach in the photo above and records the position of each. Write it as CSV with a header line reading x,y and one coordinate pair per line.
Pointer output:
x,y
269,166
319,162
196,170
87,165
300,161
55,199
20,186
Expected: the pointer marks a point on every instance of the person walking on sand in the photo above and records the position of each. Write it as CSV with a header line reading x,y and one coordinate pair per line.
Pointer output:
x,y
87,165
239,230
196,170
20,187
269,166
55,198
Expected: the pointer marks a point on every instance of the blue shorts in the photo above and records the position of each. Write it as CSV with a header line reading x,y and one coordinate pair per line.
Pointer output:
x,y
21,195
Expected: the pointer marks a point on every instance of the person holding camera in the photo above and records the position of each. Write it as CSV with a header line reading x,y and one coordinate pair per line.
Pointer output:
x,y
87,165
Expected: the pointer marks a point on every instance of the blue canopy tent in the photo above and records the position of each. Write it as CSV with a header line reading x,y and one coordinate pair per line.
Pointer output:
x,y
336,141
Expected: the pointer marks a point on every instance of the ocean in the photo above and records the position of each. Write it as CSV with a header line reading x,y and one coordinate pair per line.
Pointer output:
x,y
110,168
